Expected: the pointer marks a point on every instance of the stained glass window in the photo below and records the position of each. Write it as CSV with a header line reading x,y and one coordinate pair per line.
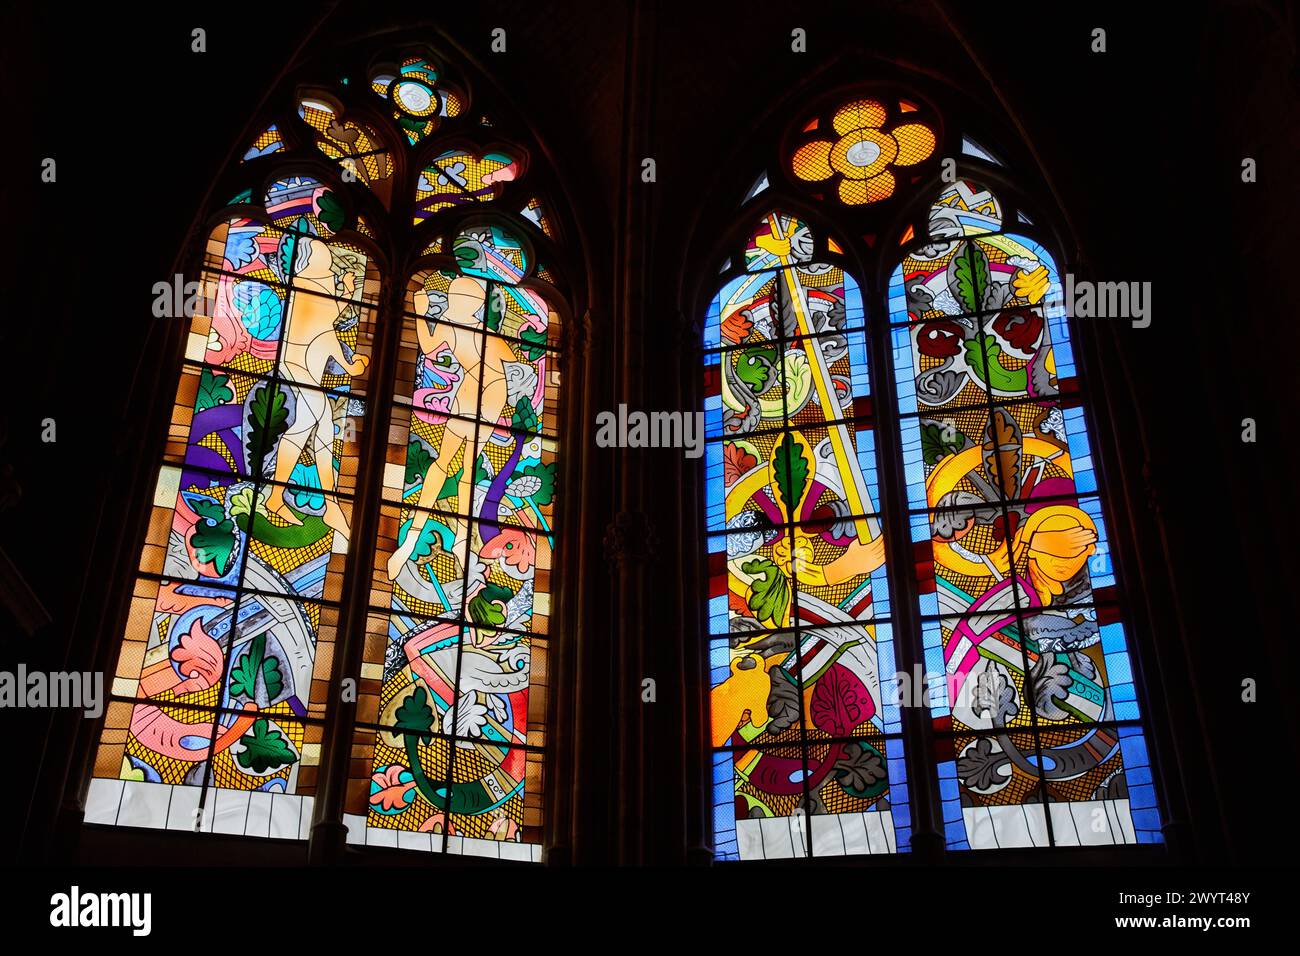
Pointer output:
x,y
1037,734
1028,693
222,679
229,657
806,746
458,647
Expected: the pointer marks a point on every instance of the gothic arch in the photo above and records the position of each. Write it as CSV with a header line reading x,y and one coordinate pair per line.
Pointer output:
x,y
871,236
381,169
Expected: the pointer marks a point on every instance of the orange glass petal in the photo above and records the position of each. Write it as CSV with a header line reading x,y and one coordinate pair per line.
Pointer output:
x,y
880,187
860,192
859,114
915,143
811,161
853,192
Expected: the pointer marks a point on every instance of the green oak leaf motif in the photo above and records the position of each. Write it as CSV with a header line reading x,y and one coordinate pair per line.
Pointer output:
x,y
525,419
982,356
330,211
265,748
255,664
769,592
757,368
269,418
417,461
971,270
214,390
415,716
536,343
484,608
241,502
791,466
546,474
939,441
213,537
205,507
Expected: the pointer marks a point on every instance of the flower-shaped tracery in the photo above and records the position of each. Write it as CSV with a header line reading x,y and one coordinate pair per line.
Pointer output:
x,y
421,97
862,157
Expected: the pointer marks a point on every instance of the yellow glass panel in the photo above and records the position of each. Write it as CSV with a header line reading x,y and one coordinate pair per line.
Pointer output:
x,y
811,161
915,143
859,114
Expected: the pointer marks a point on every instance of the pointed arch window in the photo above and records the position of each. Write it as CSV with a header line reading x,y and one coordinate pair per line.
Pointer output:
x,y
373,347
799,607
945,405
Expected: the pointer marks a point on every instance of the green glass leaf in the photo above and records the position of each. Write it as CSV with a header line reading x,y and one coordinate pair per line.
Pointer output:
x,y
214,543
271,678
971,269
330,212
205,507
214,390
546,473
243,676
769,593
939,441
536,339
417,461
269,415
484,607
415,716
252,665
525,419
791,467
265,748
757,368
982,356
